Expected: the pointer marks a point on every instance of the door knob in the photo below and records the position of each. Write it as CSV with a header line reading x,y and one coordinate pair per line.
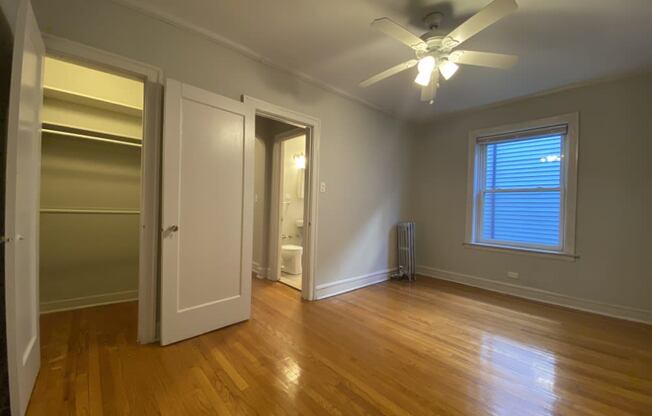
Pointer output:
x,y
167,232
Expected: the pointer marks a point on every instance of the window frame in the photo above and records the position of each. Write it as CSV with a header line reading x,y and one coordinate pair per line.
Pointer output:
x,y
567,189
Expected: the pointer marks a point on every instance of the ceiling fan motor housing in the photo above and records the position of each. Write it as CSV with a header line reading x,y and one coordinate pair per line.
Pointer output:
x,y
433,20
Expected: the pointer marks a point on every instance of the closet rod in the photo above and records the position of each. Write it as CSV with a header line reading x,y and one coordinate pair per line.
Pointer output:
x,y
89,211
85,136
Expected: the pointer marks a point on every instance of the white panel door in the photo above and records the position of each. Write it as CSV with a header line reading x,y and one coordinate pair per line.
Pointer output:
x,y
22,209
207,213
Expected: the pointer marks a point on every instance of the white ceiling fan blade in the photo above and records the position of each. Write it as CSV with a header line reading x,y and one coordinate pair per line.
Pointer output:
x,y
389,72
398,32
488,59
429,92
481,20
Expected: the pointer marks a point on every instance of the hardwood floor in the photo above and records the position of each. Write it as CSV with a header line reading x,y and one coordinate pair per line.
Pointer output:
x,y
401,348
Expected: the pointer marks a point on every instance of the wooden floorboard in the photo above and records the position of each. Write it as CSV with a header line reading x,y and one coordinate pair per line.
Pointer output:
x,y
396,348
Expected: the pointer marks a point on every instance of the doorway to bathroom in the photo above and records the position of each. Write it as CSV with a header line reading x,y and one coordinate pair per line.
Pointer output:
x,y
290,219
285,195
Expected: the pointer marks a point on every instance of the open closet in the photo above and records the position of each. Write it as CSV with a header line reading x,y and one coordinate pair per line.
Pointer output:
x,y
90,187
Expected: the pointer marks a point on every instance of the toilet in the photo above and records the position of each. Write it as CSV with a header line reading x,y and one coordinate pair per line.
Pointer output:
x,y
291,258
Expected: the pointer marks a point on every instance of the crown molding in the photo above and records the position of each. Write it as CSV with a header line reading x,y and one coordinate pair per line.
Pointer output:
x,y
183,24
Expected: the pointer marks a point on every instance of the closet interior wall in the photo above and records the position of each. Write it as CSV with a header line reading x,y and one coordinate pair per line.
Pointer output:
x,y
90,187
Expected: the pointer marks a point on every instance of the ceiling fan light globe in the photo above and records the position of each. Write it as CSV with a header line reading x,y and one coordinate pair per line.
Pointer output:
x,y
426,65
423,78
448,69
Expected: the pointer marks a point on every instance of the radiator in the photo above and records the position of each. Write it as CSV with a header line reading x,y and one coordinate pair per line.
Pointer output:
x,y
406,260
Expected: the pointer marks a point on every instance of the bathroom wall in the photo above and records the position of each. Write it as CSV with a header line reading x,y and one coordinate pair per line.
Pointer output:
x,y
292,191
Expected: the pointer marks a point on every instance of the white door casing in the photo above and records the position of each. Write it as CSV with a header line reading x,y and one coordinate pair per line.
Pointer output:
x,y
23,172
207,213
311,195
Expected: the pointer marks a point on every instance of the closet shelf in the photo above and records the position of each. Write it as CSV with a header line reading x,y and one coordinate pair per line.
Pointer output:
x,y
92,101
89,211
87,135
52,125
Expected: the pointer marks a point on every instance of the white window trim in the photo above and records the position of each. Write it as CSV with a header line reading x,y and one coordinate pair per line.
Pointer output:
x,y
568,190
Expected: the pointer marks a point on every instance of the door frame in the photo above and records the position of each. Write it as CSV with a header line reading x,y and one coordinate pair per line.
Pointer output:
x,y
149,218
311,197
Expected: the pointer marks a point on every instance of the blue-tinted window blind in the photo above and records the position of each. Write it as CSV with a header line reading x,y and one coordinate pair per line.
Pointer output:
x,y
521,191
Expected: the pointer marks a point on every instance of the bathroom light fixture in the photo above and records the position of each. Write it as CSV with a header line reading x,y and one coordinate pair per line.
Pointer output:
x,y
299,161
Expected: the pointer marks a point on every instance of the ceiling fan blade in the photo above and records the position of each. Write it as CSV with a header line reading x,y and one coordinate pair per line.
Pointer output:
x,y
488,59
481,20
398,32
389,72
429,92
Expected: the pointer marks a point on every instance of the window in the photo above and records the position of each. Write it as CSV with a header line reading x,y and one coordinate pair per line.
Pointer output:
x,y
522,186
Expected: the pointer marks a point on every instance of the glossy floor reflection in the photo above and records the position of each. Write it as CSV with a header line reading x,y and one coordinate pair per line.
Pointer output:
x,y
396,348
530,370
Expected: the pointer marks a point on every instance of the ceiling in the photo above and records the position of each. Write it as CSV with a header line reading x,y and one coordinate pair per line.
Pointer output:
x,y
559,42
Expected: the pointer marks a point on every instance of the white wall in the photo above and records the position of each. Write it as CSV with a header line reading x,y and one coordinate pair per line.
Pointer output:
x,y
363,159
614,207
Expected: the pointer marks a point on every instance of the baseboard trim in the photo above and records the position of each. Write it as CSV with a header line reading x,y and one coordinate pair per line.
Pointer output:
x,y
261,272
88,301
352,283
586,305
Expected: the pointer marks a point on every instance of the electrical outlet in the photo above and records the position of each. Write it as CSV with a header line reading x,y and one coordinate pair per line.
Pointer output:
x,y
512,275
322,187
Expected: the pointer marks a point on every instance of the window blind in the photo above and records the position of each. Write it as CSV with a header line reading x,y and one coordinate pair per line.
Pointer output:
x,y
520,188
539,132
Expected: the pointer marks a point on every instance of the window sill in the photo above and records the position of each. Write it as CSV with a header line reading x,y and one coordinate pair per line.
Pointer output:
x,y
525,251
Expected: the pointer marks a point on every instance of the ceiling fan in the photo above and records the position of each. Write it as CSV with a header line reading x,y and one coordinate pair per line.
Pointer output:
x,y
435,53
